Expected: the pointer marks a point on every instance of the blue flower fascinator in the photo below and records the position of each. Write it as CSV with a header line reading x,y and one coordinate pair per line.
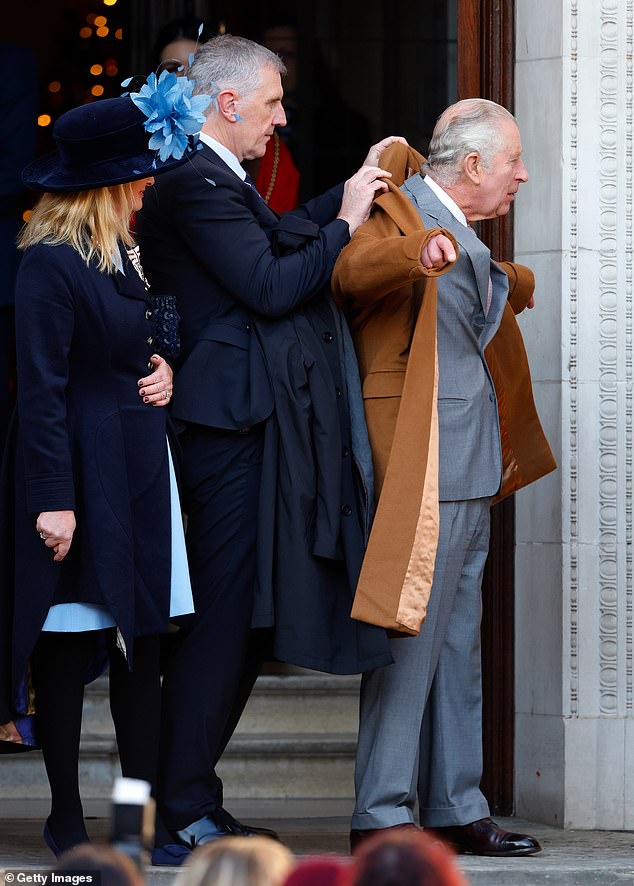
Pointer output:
x,y
173,113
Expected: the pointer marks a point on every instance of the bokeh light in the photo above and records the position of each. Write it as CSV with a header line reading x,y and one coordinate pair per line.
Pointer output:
x,y
26,215
103,32
109,2
119,33
44,120
95,70
54,86
85,33
100,21
97,90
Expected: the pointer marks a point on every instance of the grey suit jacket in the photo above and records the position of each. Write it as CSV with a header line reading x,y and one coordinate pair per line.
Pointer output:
x,y
469,430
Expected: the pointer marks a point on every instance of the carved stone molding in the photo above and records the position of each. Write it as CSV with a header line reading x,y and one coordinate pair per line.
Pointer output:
x,y
629,124
572,362
608,356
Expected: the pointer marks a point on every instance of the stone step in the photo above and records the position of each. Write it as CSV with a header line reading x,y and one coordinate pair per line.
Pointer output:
x,y
279,703
311,827
253,766
298,704
289,766
23,775
296,739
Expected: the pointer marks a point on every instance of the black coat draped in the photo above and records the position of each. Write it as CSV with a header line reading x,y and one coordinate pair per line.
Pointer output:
x,y
314,499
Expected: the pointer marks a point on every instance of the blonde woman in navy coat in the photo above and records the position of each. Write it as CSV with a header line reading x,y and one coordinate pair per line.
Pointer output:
x,y
96,565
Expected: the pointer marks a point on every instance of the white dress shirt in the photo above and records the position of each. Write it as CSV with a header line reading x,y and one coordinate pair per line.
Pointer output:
x,y
225,154
446,200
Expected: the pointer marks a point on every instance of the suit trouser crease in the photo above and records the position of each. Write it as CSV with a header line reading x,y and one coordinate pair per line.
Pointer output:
x,y
421,718
221,479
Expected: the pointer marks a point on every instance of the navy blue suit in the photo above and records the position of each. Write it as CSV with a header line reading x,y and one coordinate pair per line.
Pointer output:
x,y
204,235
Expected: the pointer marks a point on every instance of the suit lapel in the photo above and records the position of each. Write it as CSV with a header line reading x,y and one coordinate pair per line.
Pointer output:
x,y
257,203
479,255
500,284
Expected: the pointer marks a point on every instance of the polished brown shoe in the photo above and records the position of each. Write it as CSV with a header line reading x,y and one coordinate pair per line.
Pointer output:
x,y
484,837
359,837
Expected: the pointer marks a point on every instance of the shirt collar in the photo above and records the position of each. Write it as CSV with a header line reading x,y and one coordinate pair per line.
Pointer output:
x,y
446,200
225,154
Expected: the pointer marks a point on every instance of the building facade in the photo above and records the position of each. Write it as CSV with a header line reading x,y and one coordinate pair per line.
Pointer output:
x,y
574,727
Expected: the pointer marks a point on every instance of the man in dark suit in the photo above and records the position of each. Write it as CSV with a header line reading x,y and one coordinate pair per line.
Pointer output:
x,y
204,235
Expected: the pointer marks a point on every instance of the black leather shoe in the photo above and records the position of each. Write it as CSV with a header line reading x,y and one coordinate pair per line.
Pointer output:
x,y
216,824
231,825
358,837
484,837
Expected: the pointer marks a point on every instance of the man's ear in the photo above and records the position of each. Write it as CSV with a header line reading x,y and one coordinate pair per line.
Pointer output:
x,y
472,166
227,104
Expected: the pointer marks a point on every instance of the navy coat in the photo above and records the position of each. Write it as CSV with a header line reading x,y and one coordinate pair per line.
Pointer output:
x,y
83,441
204,235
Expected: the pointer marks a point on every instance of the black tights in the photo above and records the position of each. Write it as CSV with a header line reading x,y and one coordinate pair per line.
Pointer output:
x,y
59,665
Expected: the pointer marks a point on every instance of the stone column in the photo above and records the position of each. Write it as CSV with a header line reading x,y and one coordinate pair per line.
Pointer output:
x,y
574,676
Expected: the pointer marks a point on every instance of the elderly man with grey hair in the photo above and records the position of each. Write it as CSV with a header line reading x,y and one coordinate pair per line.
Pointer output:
x,y
420,733
208,236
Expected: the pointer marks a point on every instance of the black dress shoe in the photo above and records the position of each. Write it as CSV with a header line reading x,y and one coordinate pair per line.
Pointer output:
x,y
357,837
484,837
231,825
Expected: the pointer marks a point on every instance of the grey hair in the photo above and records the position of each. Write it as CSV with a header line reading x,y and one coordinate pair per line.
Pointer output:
x,y
228,62
471,125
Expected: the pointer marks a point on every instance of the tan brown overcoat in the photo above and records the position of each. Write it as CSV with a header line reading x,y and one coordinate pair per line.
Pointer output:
x,y
390,299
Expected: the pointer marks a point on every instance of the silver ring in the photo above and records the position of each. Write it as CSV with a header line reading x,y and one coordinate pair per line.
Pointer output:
x,y
43,537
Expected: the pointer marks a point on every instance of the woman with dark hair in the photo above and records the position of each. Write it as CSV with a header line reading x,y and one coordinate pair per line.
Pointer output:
x,y
177,40
91,548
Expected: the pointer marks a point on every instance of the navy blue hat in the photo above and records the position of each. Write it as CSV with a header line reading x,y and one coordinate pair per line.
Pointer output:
x,y
99,144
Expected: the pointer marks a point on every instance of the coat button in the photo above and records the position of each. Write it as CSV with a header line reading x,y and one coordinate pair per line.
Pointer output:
x,y
327,337
248,327
346,510
148,314
149,340
338,392
345,452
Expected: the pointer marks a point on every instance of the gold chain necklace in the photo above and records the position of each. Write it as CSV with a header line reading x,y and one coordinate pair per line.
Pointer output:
x,y
276,163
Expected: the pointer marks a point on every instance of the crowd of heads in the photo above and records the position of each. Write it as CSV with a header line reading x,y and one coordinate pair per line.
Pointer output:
x,y
400,857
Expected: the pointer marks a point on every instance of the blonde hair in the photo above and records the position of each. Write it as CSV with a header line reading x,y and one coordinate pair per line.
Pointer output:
x,y
238,861
93,222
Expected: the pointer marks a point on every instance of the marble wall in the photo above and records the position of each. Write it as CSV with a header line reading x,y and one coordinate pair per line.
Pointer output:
x,y
574,683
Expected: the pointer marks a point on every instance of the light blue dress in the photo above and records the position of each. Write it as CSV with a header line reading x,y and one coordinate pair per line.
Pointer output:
x,y
74,617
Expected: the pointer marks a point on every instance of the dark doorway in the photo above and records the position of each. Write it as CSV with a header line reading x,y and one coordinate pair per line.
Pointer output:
x,y
363,69
357,70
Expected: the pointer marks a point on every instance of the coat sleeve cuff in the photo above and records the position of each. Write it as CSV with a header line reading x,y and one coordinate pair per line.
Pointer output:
x,y
50,492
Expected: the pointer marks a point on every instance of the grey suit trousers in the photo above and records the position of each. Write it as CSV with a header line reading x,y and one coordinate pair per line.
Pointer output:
x,y
421,718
